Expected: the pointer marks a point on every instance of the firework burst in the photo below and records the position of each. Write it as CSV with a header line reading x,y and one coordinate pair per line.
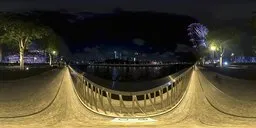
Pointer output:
x,y
197,33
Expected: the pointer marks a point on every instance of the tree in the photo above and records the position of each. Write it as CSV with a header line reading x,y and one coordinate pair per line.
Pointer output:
x,y
20,32
1,53
253,25
254,45
50,44
222,39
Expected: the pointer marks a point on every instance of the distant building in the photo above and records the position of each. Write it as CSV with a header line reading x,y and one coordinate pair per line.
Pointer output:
x,y
28,58
33,55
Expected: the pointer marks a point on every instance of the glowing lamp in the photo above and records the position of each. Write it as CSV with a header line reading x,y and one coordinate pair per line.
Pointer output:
x,y
213,48
27,68
53,52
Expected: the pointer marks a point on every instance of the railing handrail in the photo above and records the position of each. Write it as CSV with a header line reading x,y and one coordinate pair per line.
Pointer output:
x,y
182,73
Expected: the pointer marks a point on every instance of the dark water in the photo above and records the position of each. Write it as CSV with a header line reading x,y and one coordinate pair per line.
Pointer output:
x,y
130,74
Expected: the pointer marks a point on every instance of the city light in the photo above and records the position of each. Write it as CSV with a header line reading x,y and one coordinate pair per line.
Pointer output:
x,y
226,63
232,54
27,68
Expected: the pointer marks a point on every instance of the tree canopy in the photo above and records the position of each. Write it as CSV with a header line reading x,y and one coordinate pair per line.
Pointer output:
x,y
253,25
224,37
19,31
51,42
15,30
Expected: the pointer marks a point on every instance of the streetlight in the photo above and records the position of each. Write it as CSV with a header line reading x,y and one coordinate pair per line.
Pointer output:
x,y
213,48
232,57
35,59
54,52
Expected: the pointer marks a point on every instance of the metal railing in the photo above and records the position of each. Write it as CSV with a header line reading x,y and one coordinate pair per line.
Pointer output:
x,y
131,104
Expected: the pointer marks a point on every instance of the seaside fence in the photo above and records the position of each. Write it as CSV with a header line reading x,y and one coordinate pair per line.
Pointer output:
x,y
146,103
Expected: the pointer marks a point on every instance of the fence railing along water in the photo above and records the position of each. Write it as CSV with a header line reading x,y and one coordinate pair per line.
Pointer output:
x,y
146,103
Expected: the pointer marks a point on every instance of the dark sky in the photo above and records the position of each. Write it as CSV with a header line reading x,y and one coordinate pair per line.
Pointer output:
x,y
207,11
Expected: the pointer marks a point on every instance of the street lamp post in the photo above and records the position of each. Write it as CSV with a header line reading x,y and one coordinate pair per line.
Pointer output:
x,y
52,56
232,57
213,49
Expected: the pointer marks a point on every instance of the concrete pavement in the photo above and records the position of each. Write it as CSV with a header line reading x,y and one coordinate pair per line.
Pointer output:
x,y
66,111
237,88
30,95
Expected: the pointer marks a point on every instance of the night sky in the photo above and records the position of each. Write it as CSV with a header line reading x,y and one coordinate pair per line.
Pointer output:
x,y
148,26
205,10
124,31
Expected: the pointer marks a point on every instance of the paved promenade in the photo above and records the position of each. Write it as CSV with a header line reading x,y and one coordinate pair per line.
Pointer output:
x,y
197,109
237,88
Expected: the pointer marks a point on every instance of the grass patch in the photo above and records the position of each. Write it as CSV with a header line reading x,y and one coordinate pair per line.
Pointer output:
x,y
15,74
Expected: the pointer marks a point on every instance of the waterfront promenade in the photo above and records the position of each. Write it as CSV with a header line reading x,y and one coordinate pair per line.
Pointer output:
x,y
56,105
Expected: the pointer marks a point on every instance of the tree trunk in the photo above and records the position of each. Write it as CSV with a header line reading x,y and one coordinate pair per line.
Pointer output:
x,y
1,53
203,60
50,59
221,60
22,59
22,49
221,56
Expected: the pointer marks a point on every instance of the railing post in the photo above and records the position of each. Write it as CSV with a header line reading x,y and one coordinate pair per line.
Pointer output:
x,y
83,87
145,102
86,93
172,89
110,101
154,97
177,87
167,92
161,96
152,103
101,100
133,104
95,98
91,96
120,103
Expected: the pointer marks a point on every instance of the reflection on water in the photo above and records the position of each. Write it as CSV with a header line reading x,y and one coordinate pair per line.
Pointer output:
x,y
131,73
115,75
